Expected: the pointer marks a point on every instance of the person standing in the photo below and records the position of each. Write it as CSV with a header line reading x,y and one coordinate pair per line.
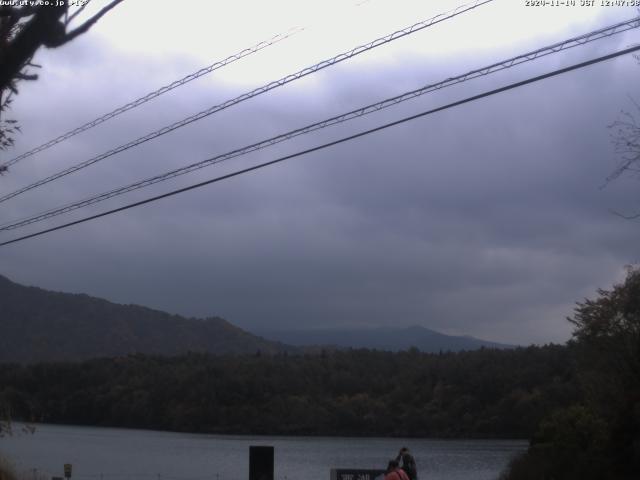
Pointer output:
x,y
394,472
408,463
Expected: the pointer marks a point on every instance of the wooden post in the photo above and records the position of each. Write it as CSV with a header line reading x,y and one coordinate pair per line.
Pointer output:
x,y
260,463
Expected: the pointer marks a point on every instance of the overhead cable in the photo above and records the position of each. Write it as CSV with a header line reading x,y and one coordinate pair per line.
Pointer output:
x,y
335,142
162,90
156,93
258,91
495,67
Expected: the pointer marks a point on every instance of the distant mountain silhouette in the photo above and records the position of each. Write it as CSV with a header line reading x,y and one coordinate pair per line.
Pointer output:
x,y
383,338
40,325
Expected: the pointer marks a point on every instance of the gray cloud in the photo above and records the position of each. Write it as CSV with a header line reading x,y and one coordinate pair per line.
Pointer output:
x,y
485,219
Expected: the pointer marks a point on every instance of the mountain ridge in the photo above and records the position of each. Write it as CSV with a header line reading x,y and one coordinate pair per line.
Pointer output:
x,y
380,338
40,325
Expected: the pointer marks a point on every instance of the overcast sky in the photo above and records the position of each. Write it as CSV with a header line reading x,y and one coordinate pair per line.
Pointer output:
x,y
488,219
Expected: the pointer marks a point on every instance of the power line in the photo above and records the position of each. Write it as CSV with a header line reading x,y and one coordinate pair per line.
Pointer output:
x,y
526,57
270,86
335,142
162,90
156,93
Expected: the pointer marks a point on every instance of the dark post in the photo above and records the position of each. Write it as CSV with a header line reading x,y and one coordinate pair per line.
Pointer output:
x,y
260,463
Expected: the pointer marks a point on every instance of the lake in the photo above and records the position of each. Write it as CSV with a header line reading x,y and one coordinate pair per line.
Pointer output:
x,y
123,454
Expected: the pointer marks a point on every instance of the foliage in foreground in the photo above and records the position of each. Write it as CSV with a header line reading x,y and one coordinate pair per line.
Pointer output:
x,y
7,471
599,438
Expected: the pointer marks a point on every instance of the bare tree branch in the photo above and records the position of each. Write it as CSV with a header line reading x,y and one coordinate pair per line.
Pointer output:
x,y
89,23
77,12
625,136
14,12
23,30
40,30
26,76
626,217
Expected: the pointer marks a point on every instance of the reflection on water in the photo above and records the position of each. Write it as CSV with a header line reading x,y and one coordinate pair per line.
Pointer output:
x,y
120,454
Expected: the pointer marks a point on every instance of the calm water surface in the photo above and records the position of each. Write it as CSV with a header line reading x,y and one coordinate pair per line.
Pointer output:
x,y
121,454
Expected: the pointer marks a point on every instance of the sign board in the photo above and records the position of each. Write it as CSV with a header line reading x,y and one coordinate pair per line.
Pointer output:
x,y
67,470
356,474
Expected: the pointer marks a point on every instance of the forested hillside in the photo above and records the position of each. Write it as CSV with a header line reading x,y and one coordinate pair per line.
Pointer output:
x,y
485,393
39,325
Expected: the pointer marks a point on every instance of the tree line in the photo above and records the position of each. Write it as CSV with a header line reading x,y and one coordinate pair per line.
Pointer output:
x,y
485,393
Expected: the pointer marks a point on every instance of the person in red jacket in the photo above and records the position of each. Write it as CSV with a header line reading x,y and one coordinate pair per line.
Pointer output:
x,y
408,463
394,472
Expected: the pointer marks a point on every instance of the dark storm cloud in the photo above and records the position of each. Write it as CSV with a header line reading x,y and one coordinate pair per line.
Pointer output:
x,y
485,219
